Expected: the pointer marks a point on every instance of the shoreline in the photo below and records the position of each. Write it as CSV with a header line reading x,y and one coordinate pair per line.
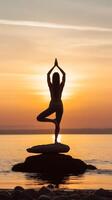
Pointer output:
x,y
51,193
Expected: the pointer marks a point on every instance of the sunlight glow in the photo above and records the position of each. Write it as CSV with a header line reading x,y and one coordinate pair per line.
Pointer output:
x,y
37,85
59,138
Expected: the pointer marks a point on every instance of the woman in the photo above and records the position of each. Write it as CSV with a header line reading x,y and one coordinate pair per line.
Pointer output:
x,y
56,105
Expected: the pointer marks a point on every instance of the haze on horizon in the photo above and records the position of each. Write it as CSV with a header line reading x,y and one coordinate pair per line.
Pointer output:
x,y
79,34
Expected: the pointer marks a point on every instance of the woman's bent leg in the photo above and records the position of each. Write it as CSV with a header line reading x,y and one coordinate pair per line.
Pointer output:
x,y
42,117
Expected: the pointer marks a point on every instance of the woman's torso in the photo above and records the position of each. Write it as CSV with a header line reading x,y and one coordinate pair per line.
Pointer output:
x,y
56,94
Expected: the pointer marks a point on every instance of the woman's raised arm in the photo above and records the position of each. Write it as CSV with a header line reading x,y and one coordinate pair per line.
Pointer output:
x,y
48,76
61,70
63,77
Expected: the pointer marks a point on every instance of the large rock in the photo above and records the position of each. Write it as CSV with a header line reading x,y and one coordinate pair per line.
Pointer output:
x,y
49,148
52,164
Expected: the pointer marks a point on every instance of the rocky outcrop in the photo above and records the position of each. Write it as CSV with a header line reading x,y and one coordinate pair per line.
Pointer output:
x,y
52,163
49,148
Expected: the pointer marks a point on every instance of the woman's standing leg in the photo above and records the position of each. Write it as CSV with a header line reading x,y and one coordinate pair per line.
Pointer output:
x,y
59,113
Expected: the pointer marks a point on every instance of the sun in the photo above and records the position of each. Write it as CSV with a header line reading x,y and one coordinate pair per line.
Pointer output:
x,y
37,85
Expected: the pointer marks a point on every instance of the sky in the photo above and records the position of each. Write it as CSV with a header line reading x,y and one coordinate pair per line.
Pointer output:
x,y
79,34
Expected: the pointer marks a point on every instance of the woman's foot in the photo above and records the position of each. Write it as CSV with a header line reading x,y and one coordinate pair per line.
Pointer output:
x,y
56,141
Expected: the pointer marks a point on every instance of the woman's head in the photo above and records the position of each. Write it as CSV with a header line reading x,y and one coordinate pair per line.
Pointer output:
x,y
56,79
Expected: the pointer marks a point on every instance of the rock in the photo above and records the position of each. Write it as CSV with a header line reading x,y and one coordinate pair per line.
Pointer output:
x,y
44,197
51,186
4,195
91,197
104,193
74,196
52,164
49,148
31,194
19,188
19,193
95,197
91,167
45,191
61,198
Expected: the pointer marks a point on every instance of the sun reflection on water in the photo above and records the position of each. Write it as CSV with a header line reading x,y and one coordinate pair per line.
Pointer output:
x,y
59,138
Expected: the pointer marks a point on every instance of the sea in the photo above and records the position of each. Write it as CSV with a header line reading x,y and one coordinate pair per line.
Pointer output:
x,y
95,149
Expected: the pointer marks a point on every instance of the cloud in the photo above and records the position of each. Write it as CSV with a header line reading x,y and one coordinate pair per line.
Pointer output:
x,y
37,24
92,43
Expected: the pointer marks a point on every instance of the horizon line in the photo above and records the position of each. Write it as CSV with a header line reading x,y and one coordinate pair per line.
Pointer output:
x,y
50,128
51,131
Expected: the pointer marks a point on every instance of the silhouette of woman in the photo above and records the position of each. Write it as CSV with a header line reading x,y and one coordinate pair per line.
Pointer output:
x,y
56,105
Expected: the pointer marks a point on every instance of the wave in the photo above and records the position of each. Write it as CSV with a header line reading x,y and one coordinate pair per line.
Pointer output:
x,y
104,171
101,171
5,171
93,161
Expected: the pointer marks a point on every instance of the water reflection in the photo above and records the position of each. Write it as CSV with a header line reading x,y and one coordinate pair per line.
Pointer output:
x,y
49,178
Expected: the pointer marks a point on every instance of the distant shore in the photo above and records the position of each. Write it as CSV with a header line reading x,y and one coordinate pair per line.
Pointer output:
x,y
50,131
51,193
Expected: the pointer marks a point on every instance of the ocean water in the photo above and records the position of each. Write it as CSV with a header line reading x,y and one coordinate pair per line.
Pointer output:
x,y
93,149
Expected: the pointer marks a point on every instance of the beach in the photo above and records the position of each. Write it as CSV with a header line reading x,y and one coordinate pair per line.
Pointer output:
x,y
52,193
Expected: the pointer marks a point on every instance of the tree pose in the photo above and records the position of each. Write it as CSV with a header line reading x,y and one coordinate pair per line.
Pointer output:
x,y
56,105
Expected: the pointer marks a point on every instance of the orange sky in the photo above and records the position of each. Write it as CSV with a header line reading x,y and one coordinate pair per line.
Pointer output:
x,y
29,42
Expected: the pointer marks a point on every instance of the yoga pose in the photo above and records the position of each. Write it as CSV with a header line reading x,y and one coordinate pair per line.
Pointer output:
x,y
56,105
